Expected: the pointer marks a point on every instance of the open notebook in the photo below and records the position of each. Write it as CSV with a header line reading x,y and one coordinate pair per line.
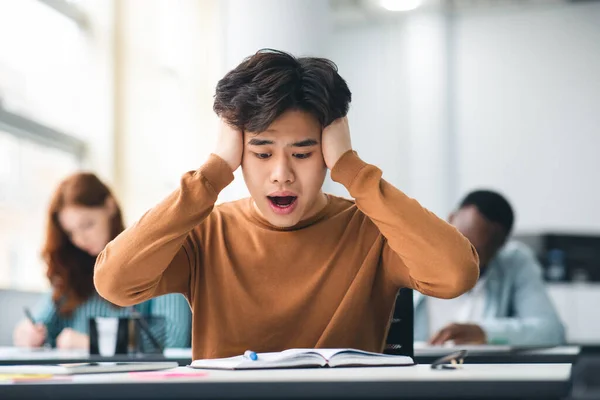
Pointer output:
x,y
298,358
87,368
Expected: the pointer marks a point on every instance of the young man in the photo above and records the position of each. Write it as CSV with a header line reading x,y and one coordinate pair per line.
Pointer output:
x,y
509,304
290,266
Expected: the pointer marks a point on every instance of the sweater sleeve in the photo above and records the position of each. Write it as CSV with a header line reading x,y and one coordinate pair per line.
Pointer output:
x,y
158,254
422,251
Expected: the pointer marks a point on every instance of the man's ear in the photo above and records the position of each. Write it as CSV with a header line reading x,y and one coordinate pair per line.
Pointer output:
x,y
111,205
451,217
500,236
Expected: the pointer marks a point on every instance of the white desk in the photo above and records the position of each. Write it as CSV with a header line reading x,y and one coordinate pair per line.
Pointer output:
x,y
17,354
474,381
423,355
14,355
490,354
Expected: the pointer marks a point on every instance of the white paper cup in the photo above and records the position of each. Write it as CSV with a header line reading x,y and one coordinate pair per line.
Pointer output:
x,y
107,335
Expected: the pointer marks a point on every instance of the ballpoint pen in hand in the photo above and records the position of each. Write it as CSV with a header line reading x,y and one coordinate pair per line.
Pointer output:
x,y
29,316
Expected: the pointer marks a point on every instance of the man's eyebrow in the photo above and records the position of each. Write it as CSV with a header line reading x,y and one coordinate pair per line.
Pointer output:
x,y
259,142
305,143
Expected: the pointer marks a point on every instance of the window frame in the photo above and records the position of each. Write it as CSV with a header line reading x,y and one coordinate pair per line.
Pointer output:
x,y
69,10
26,128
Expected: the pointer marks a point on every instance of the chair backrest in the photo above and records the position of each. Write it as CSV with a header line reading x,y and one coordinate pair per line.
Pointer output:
x,y
585,375
400,339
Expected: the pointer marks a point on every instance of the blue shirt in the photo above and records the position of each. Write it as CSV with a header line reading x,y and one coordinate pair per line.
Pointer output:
x,y
517,310
173,307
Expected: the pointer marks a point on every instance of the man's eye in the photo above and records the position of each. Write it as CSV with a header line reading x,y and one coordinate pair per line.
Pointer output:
x,y
302,156
263,156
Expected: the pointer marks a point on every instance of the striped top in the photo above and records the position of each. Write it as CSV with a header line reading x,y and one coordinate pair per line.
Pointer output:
x,y
173,307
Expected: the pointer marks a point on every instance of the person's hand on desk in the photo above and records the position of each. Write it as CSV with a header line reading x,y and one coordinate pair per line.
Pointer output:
x,y
27,334
459,334
71,339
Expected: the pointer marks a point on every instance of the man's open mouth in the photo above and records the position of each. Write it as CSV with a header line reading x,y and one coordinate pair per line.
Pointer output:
x,y
282,201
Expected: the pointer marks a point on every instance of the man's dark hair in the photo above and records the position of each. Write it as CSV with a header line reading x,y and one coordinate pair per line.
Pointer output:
x,y
269,83
493,206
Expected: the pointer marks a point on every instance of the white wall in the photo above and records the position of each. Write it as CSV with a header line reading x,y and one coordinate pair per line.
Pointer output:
x,y
525,93
167,69
528,112
369,60
575,306
97,117
399,117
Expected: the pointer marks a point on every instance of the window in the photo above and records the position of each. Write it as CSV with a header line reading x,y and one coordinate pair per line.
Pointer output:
x,y
53,80
29,173
42,64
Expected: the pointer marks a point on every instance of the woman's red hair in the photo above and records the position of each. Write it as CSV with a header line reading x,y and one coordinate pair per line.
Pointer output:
x,y
70,269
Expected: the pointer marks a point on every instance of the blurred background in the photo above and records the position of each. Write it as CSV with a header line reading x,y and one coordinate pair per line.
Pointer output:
x,y
448,96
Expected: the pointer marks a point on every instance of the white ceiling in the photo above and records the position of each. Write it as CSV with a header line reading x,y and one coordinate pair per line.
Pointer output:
x,y
353,12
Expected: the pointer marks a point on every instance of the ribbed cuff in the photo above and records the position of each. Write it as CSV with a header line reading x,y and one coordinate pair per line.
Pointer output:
x,y
217,173
347,168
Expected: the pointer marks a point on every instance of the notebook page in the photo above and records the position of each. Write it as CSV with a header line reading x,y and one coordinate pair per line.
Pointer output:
x,y
327,354
351,358
284,359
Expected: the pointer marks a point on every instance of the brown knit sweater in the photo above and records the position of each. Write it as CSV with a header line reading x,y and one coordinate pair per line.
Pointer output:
x,y
329,281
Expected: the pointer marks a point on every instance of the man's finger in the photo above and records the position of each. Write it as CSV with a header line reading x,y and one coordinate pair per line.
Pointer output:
x,y
435,338
443,336
470,334
462,338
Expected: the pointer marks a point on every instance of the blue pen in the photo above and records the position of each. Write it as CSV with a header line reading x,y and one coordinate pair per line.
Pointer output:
x,y
29,315
250,355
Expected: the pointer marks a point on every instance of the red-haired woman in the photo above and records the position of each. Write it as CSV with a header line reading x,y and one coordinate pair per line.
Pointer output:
x,y
83,217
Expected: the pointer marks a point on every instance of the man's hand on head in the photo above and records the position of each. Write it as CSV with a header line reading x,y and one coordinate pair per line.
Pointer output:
x,y
335,141
459,334
230,144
